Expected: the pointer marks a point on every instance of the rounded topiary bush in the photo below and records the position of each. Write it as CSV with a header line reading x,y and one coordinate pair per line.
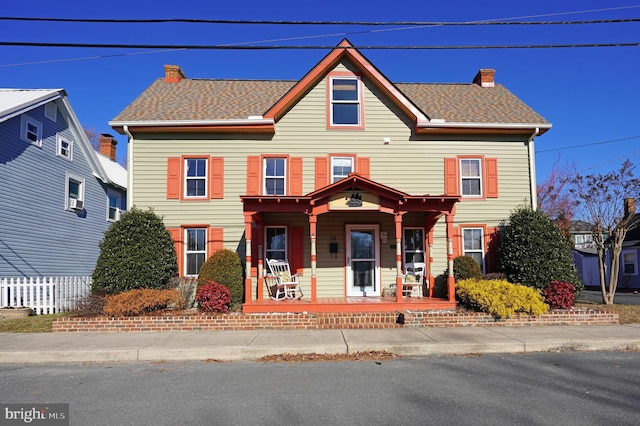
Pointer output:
x,y
533,251
465,267
224,267
136,252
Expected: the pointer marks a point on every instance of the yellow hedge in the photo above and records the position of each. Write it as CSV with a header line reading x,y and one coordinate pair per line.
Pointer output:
x,y
500,298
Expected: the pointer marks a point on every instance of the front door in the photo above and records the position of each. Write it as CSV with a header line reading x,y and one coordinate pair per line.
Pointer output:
x,y
363,264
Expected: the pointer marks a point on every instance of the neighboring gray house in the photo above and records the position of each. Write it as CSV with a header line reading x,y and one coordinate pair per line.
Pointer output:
x,y
57,195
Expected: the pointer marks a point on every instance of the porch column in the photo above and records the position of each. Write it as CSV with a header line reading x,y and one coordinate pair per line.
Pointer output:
x,y
398,222
450,279
260,269
430,278
313,225
247,281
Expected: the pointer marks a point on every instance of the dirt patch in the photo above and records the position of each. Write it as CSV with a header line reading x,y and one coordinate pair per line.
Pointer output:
x,y
356,356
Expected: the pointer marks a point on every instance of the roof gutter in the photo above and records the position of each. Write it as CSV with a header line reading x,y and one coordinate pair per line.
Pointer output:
x,y
180,123
540,128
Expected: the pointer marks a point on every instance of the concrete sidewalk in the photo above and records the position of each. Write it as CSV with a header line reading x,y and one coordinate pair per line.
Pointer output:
x,y
46,348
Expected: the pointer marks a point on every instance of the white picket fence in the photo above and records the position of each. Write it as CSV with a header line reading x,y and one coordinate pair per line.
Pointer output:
x,y
44,295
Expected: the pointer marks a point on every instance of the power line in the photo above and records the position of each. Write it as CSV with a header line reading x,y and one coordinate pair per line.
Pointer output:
x,y
272,22
587,144
278,47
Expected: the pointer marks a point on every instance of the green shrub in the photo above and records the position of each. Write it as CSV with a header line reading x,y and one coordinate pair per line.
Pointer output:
x,y
534,252
464,268
224,267
213,297
139,301
500,298
136,252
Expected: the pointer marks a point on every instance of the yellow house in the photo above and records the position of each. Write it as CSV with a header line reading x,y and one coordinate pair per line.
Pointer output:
x,y
351,179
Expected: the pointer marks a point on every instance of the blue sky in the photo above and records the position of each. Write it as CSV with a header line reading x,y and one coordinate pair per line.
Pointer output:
x,y
590,95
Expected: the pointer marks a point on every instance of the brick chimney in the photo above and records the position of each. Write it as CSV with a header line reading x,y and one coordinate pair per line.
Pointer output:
x,y
484,78
629,207
173,74
108,146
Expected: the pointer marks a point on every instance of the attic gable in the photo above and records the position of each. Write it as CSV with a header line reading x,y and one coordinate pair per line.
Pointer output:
x,y
345,51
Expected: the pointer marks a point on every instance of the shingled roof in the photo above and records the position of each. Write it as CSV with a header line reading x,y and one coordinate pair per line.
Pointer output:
x,y
176,98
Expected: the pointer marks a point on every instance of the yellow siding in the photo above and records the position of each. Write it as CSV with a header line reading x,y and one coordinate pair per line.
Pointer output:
x,y
413,164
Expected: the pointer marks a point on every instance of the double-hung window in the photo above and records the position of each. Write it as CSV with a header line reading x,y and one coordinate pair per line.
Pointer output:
x,y
471,177
275,176
74,192
64,147
113,213
413,245
276,242
195,249
31,130
195,177
473,244
629,263
345,101
340,168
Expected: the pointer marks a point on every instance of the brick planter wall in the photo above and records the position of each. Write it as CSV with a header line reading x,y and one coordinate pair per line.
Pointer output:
x,y
312,321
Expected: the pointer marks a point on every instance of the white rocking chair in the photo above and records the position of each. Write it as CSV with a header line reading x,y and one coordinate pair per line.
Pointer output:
x,y
281,284
413,278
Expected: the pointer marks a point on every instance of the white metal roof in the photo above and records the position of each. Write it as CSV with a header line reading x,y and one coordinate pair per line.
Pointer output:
x,y
14,101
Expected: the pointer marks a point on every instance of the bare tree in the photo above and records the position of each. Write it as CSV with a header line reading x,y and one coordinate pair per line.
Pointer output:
x,y
554,198
601,200
94,137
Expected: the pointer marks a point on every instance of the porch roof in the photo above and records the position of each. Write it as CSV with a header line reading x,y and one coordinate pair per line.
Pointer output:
x,y
391,200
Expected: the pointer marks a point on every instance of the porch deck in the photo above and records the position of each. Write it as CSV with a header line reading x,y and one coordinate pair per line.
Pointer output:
x,y
349,304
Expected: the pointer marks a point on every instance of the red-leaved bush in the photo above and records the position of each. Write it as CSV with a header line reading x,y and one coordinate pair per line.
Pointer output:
x,y
213,297
559,294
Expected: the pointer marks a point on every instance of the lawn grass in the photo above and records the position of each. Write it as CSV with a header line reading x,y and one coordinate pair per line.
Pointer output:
x,y
629,314
32,324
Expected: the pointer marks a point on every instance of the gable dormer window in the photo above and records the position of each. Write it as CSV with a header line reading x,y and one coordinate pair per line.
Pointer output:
x,y
31,130
345,98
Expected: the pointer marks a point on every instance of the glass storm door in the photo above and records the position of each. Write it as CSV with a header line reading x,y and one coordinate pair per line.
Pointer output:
x,y
363,275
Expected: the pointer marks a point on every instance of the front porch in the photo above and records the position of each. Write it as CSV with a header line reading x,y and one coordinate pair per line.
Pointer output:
x,y
349,304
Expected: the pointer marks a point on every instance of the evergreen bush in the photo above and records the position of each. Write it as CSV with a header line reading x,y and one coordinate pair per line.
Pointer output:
x,y
136,252
533,251
465,267
500,298
224,267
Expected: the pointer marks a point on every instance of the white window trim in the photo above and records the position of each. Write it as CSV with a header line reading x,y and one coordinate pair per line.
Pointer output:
x,y
24,125
205,178
480,250
187,252
338,157
357,102
81,196
283,177
59,140
635,261
286,240
51,111
479,177
118,198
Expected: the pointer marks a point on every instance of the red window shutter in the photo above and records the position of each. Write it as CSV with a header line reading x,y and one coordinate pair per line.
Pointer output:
x,y
176,236
295,175
253,175
173,178
216,177
491,167
364,164
455,242
451,176
493,238
322,165
296,259
215,240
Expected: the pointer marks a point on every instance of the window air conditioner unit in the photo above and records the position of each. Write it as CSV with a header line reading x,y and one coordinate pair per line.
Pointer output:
x,y
76,204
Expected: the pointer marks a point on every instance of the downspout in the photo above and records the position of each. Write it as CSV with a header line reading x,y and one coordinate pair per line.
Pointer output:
x,y
532,169
129,167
